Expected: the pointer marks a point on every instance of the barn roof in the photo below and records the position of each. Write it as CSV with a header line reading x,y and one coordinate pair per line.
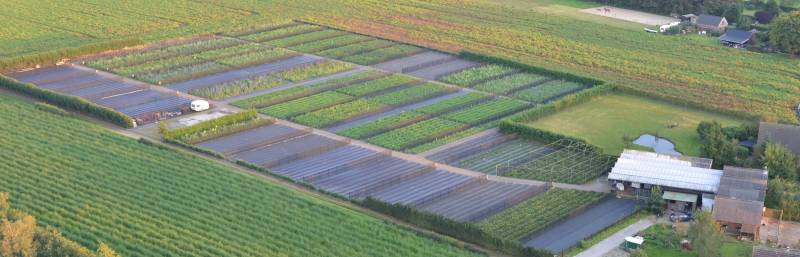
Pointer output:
x,y
784,134
709,20
743,184
665,170
736,36
738,211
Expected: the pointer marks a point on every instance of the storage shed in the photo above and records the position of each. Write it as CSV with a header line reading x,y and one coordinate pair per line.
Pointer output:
x,y
739,204
736,38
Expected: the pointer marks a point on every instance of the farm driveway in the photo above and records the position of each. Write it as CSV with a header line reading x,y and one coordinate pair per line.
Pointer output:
x,y
613,241
631,15
567,233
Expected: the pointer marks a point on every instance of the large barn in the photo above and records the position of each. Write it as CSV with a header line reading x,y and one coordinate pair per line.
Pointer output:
x,y
739,204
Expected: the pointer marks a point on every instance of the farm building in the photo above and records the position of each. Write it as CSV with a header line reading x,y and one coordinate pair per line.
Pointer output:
x,y
691,18
739,204
787,135
684,180
707,22
736,38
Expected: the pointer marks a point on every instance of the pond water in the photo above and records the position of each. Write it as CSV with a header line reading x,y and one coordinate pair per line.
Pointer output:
x,y
660,145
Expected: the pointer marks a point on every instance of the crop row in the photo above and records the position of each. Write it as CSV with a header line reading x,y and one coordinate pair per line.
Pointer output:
x,y
237,87
486,111
411,94
536,213
289,94
135,58
548,91
143,196
383,54
232,51
352,49
509,83
414,134
213,128
474,75
314,70
261,56
383,124
181,73
566,166
377,85
316,46
338,113
305,38
281,32
440,141
306,104
452,103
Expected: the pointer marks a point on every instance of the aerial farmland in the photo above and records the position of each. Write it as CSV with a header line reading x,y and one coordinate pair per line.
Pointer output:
x,y
283,129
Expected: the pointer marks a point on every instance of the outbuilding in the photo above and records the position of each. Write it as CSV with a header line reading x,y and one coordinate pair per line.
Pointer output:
x,y
714,23
736,38
787,135
739,203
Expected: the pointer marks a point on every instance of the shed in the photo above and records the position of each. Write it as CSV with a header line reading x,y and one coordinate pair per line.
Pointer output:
x,y
711,23
739,204
787,135
689,18
736,38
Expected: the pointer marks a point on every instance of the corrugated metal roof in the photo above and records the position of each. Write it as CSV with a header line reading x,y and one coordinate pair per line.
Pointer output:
x,y
678,196
664,170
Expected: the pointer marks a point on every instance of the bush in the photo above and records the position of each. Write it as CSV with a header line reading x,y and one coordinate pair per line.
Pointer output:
x,y
524,67
56,55
211,128
51,109
69,102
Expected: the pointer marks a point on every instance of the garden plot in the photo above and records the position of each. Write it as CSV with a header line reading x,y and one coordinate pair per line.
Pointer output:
x,y
334,161
280,32
424,188
469,147
414,62
481,200
252,139
515,151
289,150
370,176
136,100
436,71
356,48
383,54
244,73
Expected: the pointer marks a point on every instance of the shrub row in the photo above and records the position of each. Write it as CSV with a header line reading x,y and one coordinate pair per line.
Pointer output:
x,y
53,56
210,126
464,231
69,102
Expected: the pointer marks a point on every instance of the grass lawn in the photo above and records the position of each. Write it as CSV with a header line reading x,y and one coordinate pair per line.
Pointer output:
x,y
607,121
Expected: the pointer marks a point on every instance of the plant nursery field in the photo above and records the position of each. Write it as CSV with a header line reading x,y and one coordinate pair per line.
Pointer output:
x,y
551,34
613,121
142,200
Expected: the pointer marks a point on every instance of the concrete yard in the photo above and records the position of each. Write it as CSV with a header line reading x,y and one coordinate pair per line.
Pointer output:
x,y
631,15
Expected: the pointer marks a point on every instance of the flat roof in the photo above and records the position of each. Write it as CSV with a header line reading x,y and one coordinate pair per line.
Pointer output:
x,y
664,170
678,196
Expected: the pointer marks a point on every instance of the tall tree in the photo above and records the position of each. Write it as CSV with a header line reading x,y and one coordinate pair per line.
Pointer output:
x,y
5,207
706,238
717,145
18,237
784,32
775,190
655,201
779,161
105,251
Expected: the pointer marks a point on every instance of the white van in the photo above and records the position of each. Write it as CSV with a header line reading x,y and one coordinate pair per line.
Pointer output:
x,y
199,105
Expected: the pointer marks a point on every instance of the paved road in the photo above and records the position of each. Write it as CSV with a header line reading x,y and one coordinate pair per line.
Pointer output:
x,y
569,232
613,241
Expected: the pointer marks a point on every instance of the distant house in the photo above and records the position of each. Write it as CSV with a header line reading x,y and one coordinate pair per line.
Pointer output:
x,y
787,135
739,203
707,22
736,38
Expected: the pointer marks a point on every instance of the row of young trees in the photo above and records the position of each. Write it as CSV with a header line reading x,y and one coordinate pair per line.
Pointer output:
x,y
20,236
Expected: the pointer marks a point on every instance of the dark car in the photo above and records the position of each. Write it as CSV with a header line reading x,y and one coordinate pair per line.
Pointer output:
x,y
680,216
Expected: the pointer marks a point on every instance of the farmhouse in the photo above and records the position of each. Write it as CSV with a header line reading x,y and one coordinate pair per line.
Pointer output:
x,y
684,180
707,22
739,204
787,135
736,38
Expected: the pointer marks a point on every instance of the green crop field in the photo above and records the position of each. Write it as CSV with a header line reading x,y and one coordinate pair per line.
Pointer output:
x,y
612,121
547,33
95,185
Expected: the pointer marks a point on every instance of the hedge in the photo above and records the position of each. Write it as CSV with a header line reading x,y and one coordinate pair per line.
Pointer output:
x,y
54,56
464,231
210,125
68,102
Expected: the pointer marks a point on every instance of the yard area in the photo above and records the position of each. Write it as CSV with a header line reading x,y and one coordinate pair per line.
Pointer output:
x,y
606,121
660,242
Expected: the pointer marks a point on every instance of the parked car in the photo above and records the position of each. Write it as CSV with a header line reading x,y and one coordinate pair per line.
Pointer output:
x,y
680,216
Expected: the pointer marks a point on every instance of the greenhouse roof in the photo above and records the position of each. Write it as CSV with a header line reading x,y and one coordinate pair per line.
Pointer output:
x,y
664,170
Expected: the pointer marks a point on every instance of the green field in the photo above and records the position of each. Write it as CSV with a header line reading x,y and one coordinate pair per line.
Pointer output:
x,y
95,185
547,33
607,121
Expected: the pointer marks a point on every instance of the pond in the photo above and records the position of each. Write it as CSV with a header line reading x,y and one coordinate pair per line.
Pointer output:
x,y
660,145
